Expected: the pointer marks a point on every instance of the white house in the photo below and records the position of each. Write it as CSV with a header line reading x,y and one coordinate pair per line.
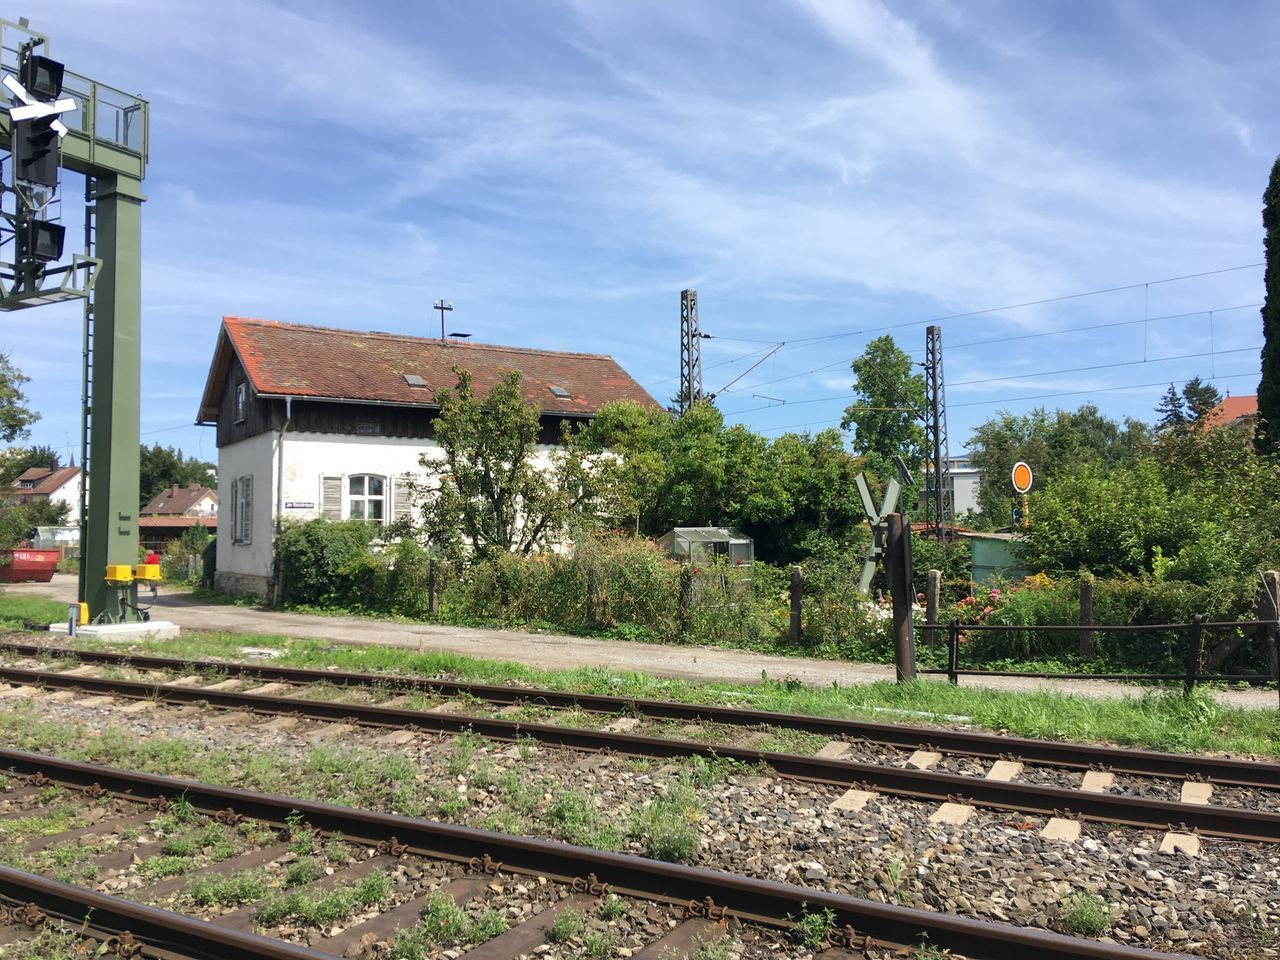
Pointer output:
x,y
320,422
965,481
61,485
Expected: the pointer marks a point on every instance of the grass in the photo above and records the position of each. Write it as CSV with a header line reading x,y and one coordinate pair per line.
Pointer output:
x,y
55,941
227,890
1157,719
1086,914
812,927
569,923
667,827
443,924
317,908
573,818
16,608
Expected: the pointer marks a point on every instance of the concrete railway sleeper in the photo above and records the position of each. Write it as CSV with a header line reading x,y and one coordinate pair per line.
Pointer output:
x,y
707,899
1062,804
1220,770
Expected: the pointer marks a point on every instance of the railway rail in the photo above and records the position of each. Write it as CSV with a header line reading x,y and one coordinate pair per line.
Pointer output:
x,y
921,784
1074,756
704,901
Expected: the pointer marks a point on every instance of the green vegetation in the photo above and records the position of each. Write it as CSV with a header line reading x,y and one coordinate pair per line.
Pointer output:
x,y
317,908
1156,720
573,818
444,923
1086,914
667,827
568,923
16,608
1269,387
812,927
54,941
227,890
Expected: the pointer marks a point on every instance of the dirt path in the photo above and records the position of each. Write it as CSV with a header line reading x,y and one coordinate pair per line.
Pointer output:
x,y
554,652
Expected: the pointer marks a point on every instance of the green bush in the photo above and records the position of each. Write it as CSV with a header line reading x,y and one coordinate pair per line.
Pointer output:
x,y
319,558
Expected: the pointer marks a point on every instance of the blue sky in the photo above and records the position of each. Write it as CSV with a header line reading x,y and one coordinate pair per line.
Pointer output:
x,y
818,169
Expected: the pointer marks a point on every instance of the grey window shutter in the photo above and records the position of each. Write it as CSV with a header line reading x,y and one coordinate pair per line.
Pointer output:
x,y
246,492
234,526
401,497
331,498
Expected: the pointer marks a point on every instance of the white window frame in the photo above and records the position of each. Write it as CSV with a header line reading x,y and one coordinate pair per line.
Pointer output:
x,y
242,400
242,510
364,499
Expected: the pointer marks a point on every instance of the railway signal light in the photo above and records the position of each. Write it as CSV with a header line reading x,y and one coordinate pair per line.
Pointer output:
x,y
34,114
41,241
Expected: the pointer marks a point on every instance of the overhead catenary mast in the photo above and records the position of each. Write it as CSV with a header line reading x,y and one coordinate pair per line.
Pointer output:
x,y
939,514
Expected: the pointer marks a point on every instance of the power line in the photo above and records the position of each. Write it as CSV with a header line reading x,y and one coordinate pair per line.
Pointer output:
x,y
1024,336
1030,303
1043,396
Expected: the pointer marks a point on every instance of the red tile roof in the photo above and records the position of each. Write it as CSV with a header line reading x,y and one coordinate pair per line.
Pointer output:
x,y
1230,410
287,359
175,500
46,481
175,523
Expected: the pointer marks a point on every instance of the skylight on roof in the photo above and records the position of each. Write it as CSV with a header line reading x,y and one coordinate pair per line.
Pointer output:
x,y
560,391
413,380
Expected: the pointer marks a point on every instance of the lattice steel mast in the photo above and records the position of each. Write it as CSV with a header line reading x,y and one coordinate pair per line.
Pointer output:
x,y
690,352
939,514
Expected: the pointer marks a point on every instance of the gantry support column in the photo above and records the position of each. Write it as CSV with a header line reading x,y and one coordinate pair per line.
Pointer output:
x,y
111,531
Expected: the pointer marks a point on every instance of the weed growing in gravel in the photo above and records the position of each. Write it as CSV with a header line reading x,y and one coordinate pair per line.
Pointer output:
x,y
444,923
318,908
55,941
227,890
464,748
303,871
927,951
704,773
574,818
599,943
1266,933
722,949
812,928
568,924
612,907
1086,914
667,827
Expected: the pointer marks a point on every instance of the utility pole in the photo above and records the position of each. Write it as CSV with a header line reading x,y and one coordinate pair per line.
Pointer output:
x,y
940,508
690,352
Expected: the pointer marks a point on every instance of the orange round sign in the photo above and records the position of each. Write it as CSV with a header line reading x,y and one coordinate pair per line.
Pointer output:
x,y
1021,477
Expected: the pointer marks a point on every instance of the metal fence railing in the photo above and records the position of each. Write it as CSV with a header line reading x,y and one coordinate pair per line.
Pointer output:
x,y
1192,656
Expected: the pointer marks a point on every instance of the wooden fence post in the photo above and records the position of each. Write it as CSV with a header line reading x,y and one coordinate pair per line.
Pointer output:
x,y
1086,617
797,600
433,597
898,562
932,593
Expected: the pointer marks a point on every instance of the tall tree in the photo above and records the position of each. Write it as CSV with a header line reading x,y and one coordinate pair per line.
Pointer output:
x,y
1200,398
888,415
1171,410
162,467
489,493
15,417
1269,388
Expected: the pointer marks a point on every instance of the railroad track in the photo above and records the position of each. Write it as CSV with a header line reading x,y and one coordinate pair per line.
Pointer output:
x,y
448,866
1072,756
1065,806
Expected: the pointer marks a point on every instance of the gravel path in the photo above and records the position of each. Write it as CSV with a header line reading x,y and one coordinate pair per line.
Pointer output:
x,y
995,866
554,652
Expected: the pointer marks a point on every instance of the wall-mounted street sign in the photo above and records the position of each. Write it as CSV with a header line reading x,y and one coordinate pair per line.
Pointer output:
x,y
1021,477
